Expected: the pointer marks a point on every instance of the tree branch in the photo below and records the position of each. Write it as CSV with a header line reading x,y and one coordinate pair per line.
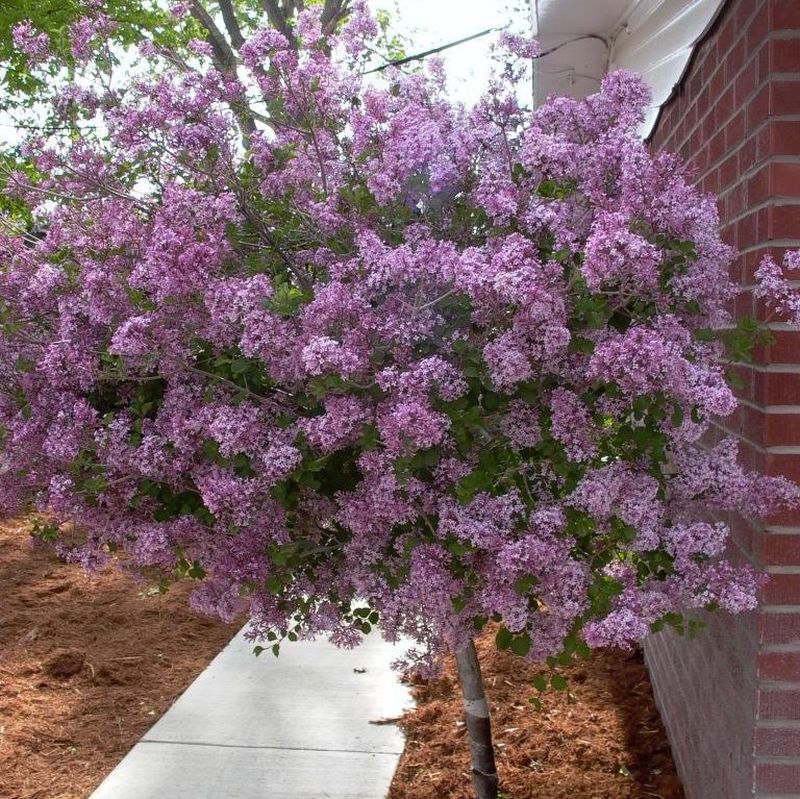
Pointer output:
x,y
479,727
279,20
333,12
224,57
231,23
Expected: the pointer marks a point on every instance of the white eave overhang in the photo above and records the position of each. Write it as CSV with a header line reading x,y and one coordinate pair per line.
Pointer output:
x,y
655,38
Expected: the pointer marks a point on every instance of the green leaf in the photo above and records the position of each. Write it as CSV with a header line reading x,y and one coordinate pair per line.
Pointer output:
x,y
459,603
491,400
503,638
581,345
540,682
521,644
524,584
558,682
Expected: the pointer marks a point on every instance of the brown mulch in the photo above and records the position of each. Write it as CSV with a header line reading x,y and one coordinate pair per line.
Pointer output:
x,y
87,664
601,739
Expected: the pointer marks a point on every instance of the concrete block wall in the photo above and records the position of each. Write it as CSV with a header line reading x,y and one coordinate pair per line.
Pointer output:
x,y
731,698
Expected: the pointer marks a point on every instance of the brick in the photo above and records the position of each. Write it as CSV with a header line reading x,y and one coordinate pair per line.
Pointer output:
x,y
784,221
751,423
777,429
780,778
692,115
785,178
774,388
777,704
779,666
724,40
758,108
724,107
779,628
784,350
784,15
742,538
743,305
710,183
742,13
784,97
757,32
747,231
784,589
776,742
759,187
782,518
763,219
784,55
762,57
717,149
745,83
782,138
747,377
722,123
734,131
748,155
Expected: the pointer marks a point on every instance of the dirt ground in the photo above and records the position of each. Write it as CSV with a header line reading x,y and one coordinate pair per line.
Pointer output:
x,y
600,739
87,664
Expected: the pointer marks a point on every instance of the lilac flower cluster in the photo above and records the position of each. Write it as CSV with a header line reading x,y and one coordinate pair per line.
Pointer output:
x,y
446,364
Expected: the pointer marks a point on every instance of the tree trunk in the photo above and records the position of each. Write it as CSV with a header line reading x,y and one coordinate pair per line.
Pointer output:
x,y
479,726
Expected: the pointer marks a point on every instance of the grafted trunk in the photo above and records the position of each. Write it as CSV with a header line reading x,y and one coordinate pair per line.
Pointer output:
x,y
479,725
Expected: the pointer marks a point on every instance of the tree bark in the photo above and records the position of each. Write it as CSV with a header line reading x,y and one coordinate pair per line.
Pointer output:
x,y
479,725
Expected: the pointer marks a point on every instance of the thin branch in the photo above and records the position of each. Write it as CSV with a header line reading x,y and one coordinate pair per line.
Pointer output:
x,y
398,62
419,56
265,235
230,383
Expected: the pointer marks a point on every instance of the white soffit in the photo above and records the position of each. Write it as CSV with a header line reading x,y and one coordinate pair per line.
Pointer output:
x,y
652,37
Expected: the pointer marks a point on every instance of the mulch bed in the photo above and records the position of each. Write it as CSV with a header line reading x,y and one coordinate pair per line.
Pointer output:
x,y
88,663
600,739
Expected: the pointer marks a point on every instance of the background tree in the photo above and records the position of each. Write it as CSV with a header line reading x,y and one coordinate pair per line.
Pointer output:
x,y
382,359
43,44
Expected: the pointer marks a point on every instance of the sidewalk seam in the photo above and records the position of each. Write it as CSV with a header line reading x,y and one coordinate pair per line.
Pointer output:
x,y
272,748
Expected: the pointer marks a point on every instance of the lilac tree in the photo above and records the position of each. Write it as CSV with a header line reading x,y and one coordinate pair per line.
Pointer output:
x,y
375,358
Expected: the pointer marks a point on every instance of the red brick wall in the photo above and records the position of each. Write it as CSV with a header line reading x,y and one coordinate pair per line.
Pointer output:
x,y
731,699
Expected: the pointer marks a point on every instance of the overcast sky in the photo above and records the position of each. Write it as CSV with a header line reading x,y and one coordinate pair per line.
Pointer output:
x,y
426,24
430,23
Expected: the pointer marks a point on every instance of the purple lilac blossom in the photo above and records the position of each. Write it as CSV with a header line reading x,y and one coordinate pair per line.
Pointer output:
x,y
440,360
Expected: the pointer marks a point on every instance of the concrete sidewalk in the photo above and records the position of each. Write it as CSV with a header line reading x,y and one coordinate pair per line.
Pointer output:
x,y
294,727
